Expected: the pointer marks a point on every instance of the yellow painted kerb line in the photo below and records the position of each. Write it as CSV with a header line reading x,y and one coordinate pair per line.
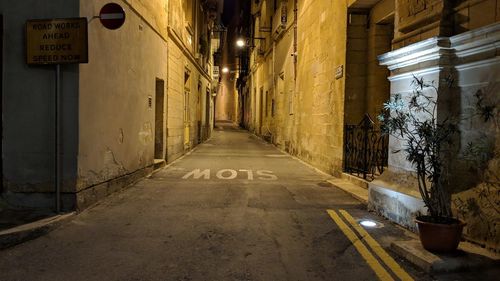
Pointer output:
x,y
375,246
365,253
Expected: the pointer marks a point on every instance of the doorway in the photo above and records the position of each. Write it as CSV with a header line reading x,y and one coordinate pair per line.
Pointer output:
x,y
187,118
159,152
367,88
186,121
207,113
261,109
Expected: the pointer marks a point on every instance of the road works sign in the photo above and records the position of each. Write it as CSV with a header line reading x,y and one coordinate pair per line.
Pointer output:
x,y
57,41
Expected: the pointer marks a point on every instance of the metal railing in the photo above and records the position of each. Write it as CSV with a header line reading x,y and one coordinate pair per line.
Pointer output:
x,y
365,149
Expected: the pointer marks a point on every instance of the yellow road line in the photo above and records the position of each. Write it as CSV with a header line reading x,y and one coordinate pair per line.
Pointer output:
x,y
375,246
365,253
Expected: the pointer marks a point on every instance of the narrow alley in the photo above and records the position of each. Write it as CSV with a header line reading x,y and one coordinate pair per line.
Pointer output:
x,y
249,140
236,208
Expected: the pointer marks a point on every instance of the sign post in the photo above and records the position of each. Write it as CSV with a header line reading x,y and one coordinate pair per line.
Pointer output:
x,y
58,139
56,42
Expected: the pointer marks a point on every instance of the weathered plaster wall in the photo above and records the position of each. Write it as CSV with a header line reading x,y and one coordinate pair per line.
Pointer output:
x,y
28,109
176,91
116,124
108,105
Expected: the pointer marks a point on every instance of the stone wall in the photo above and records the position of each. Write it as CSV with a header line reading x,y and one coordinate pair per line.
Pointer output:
x,y
417,20
117,120
356,68
472,14
297,101
460,67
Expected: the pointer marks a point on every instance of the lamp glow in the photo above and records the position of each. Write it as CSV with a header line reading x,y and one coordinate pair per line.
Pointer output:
x,y
240,43
368,223
225,69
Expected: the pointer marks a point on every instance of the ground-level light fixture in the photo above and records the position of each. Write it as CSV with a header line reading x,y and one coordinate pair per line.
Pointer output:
x,y
368,223
225,69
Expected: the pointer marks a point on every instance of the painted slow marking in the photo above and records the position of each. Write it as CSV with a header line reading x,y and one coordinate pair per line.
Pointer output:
x,y
380,271
375,246
198,173
230,174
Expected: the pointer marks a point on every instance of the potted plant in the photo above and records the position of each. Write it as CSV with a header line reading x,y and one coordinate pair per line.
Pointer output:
x,y
413,120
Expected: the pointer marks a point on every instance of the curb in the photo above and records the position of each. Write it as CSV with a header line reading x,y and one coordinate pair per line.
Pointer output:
x,y
355,191
22,233
468,257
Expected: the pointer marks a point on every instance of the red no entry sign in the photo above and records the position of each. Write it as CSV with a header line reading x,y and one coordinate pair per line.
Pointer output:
x,y
112,16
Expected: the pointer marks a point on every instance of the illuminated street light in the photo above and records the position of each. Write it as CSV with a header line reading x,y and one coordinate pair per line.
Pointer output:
x,y
225,69
240,43
243,42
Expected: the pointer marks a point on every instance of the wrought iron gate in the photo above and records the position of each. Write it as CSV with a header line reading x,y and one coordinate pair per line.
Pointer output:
x,y
365,149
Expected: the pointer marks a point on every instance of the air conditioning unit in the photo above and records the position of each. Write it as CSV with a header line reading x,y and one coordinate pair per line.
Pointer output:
x,y
280,19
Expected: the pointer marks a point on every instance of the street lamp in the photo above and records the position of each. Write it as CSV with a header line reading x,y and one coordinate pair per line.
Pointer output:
x,y
242,42
225,69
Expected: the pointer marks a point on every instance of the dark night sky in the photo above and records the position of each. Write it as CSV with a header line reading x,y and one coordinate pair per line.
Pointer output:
x,y
229,11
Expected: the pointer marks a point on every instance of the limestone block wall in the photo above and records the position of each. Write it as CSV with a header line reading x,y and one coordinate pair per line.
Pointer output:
x,y
417,20
472,14
377,86
28,103
370,32
284,91
320,96
296,101
356,68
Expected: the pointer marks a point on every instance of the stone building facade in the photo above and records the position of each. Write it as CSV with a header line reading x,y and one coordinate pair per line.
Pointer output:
x,y
143,99
325,64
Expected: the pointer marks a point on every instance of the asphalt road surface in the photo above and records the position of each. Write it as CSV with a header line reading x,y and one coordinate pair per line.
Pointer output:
x,y
236,208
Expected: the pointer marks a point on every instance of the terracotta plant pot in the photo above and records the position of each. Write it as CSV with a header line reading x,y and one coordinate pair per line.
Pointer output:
x,y
439,234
